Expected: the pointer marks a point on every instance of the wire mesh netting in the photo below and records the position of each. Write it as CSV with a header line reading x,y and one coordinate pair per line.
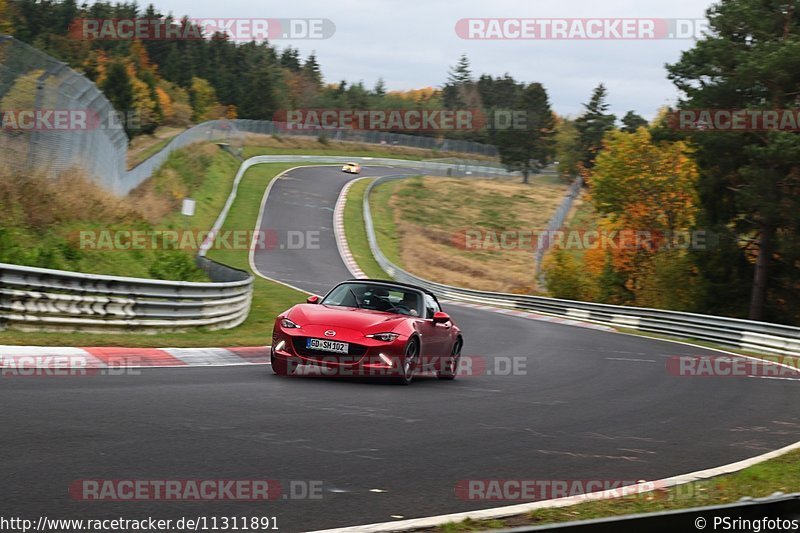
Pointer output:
x,y
34,90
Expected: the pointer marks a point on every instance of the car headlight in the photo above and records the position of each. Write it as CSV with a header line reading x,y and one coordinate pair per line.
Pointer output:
x,y
386,337
286,323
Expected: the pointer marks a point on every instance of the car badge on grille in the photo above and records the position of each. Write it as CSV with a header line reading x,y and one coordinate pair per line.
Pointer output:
x,y
330,333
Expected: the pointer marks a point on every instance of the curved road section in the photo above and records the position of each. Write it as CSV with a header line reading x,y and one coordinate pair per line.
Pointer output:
x,y
579,404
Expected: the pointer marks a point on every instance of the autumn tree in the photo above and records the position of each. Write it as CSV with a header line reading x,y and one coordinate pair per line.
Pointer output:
x,y
646,194
6,25
203,99
568,148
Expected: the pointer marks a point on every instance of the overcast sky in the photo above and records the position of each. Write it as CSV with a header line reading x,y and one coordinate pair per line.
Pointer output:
x,y
412,43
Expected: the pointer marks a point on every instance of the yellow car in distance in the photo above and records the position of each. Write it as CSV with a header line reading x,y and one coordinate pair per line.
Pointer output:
x,y
351,168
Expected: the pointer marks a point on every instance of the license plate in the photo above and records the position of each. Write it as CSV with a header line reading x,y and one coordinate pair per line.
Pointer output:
x,y
327,346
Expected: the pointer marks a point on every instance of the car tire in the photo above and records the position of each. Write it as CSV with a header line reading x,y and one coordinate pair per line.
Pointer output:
x,y
449,368
280,366
409,363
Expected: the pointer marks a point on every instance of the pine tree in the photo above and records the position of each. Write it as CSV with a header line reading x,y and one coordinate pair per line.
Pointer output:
x,y
461,73
380,88
532,148
632,122
290,59
311,70
749,180
118,89
593,124
459,78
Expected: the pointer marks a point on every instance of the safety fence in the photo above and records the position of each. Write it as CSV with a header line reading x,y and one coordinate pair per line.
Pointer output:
x,y
40,93
440,144
555,223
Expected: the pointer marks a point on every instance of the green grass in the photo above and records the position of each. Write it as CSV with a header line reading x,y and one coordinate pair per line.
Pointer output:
x,y
383,220
779,474
356,233
269,298
60,230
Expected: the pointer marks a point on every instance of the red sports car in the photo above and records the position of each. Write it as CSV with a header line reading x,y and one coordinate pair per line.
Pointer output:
x,y
367,327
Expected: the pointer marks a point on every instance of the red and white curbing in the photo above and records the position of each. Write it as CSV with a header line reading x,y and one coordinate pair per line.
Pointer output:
x,y
42,357
338,231
355,270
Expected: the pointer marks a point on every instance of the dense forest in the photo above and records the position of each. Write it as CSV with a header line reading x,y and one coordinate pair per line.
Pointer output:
x,y
178,81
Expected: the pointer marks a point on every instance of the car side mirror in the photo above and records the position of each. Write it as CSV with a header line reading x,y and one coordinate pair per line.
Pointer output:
x,y
440,318
313,299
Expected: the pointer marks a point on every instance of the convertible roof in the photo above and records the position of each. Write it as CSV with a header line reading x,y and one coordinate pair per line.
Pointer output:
x,y
398,283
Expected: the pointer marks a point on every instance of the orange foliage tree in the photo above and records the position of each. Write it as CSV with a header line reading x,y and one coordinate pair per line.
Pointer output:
x,y
646,195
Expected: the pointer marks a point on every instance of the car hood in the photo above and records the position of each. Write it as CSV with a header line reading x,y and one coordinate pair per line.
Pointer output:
x,y
346,317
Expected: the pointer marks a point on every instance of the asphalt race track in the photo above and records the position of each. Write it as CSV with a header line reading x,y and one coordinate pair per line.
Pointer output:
x,y
591,405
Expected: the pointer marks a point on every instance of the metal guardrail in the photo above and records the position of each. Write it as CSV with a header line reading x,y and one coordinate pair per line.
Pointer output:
x,y
429,167
38,299
750,335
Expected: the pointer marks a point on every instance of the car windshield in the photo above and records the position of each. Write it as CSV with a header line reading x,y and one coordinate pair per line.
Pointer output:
x,y
376,297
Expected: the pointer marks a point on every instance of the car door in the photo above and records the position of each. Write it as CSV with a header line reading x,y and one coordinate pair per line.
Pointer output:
x,y
435,337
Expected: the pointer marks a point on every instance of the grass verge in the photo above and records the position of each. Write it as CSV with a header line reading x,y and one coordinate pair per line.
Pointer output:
x,y
384,220
779,474
467,232
71,223
356,233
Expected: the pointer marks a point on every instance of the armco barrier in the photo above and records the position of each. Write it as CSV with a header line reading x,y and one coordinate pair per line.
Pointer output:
x,y
427,167
38,299
750,335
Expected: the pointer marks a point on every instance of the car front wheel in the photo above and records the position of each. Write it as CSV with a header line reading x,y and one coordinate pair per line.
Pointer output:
x,y
408,364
